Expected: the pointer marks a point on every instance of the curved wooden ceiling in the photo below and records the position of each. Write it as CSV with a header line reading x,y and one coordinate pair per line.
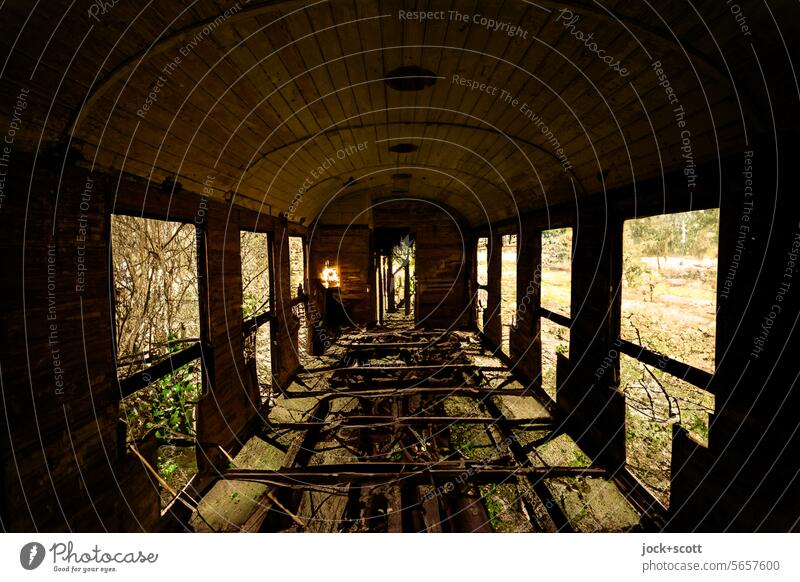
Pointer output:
x,y
252,102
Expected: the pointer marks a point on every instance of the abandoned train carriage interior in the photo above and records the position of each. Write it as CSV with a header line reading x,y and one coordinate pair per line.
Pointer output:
x,y
444,266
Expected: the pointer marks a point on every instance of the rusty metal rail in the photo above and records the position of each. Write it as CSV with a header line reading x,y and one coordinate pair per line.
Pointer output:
x,y
365,422
383,392
385,472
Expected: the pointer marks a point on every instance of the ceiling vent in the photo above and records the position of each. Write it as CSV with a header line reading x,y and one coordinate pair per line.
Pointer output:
x,y
403,148
411,78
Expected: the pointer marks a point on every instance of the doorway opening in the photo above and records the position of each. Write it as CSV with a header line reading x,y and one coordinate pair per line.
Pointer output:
x,y
395,273
482,277
508,290
297,283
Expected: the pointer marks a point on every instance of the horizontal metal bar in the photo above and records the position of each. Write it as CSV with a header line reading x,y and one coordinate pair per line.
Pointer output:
x,y
562,320
685,372
364,422
400,392
130,358
406,330
421,368
142,379
391,384
388,345
472,471
252,324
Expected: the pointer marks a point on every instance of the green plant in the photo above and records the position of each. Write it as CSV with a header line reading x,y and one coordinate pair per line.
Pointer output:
x,y
167,469
460,439
250,304
557,245
698,425
172,409
633,271
493,506
692,233
580,459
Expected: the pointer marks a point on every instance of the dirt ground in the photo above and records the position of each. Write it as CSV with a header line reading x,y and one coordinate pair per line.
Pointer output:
x,y
671,311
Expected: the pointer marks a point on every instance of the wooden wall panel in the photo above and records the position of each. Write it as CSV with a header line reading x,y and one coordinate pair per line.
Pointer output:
x,y
231,402
60,445
65,465
493,328
526,345
595,411
287,325
442,263
441,274
350,250
747,478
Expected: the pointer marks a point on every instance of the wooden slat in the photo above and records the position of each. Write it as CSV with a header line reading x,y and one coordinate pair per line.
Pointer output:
x,y
166,366
685,372
562,320
257,321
